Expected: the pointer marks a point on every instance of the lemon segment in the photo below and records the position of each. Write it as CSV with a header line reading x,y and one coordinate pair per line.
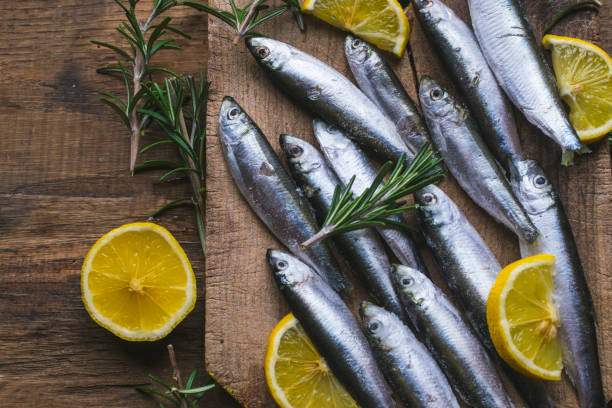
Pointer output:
x,y
137,282
584,78
297,375
380,22
523,319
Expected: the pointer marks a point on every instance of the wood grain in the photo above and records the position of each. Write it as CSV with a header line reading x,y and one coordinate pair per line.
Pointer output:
x,y
243,303
64,182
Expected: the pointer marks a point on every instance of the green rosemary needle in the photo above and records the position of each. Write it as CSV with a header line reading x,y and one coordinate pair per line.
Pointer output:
x,y
379,201
568,10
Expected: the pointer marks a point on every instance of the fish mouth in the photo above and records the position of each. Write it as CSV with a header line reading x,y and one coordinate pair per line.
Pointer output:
x,y
364,307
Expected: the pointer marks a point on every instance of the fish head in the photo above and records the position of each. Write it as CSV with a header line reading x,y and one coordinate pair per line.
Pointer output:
x,y
435,101
423,4
531,186
270,53
303,156
415,287
234,123
331,139
357,50
434,207
287,269
380,325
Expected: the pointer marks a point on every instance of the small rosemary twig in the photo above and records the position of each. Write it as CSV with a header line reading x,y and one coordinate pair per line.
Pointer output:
x,y
179,109
143,43
179,395
568,10
379,201
244,20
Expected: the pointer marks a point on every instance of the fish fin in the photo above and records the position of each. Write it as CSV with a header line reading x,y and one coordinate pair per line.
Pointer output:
x,y
567,157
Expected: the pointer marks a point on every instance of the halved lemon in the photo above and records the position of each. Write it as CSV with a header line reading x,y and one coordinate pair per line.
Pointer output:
x,y
137,282
523,319
297,375
380,22
584,79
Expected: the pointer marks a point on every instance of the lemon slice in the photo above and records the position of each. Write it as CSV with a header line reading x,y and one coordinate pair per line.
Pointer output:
x,y
380,22
584,79
137,282
523,319
297,375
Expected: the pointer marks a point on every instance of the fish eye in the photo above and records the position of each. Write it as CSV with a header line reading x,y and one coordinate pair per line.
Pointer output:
x,y
427,4
428,198
373,326
356,43
407,281
295,151
262,52
233,113
540,181
282,265
436,94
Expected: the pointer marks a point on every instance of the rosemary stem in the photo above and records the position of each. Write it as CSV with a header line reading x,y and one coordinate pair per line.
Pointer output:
x,y
319,236
176,374
563,13
242,27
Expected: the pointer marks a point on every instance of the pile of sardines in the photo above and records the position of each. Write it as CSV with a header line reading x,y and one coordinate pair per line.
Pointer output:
x,y
417,348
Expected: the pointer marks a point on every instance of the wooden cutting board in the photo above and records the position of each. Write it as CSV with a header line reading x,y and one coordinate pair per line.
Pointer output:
x,y
243,303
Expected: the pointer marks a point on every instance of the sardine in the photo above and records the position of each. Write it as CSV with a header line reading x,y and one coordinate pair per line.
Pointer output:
x,y
329,95
362,249
456,138
333,330
450,340
271,193
470,268
414,375
510,48
348,160
456,44
378,81
577,332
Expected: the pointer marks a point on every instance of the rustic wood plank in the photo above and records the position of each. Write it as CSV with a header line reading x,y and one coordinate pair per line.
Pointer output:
x,y
63,183
243,303
587,211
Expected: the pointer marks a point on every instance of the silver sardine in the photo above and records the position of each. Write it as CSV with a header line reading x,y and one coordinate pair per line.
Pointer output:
x,y
333,330
510,48
363,250
378,81
327,94
348,160
456,138
269,190
470,268
458,48
451,340
414,375
573,298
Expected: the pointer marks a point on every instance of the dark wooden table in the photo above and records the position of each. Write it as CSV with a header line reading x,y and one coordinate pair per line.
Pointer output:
x,y
64,182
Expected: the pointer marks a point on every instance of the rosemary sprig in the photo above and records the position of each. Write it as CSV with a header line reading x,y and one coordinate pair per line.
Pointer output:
x,y
179,109
179,395
568,10
379,201
244,20
145,38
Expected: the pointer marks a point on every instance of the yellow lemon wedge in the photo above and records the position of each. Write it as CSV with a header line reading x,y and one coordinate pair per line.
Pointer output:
x,y
380,22
584,79
297,375
523,319
137,282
